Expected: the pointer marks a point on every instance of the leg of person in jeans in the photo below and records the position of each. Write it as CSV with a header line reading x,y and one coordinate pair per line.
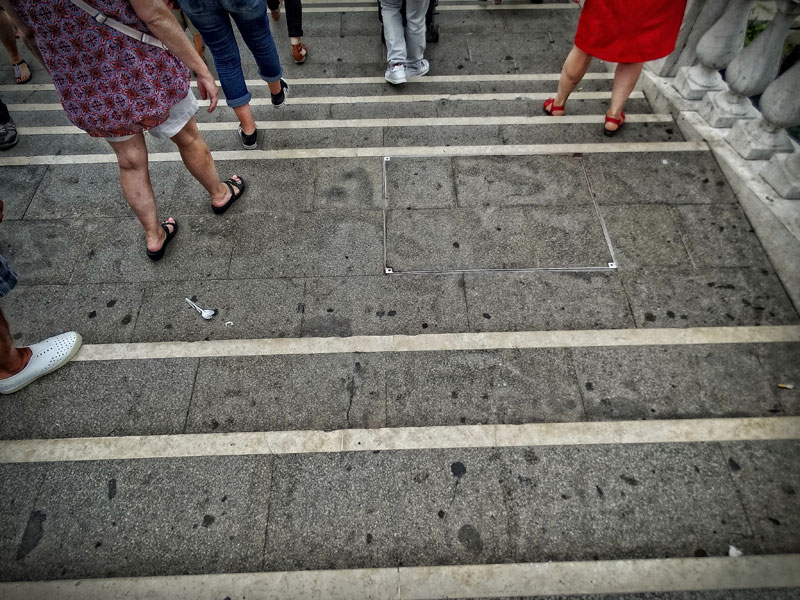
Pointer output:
x,y
254,27
215,27
294,22
416,65
21,72
393,34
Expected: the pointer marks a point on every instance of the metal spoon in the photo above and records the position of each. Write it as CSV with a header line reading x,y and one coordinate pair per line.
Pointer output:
x,y
206,313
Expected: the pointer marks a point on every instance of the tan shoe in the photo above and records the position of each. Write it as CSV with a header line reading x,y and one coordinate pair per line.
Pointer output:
x,y
299,53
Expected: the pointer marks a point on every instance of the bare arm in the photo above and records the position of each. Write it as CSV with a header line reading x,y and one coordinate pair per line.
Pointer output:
x,y
24,31
162,24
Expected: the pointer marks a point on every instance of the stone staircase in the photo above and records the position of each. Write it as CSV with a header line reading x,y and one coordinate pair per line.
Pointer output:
x,y
463,349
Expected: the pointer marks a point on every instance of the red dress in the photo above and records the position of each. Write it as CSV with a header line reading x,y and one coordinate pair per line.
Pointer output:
x,y
629,31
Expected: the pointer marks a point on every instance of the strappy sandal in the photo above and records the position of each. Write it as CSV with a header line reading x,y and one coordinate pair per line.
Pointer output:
x,y
18,72
236,188
618,122
550,105
159,254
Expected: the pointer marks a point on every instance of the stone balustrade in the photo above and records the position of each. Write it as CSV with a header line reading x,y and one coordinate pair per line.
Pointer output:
x,y
713,40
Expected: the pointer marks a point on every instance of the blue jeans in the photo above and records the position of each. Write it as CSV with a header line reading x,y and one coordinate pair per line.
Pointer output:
x,y
212,18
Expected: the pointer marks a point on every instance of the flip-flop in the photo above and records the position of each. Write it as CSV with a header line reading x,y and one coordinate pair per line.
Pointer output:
x,y
18,73
159,254
236,188
46,357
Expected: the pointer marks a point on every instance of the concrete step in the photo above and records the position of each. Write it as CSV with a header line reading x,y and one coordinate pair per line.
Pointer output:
x,y
218,391
345,510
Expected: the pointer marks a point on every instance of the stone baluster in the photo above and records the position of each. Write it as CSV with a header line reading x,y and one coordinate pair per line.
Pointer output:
x,y
765,136
716,49
751,71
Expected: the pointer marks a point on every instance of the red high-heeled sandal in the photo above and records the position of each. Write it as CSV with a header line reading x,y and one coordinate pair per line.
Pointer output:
x,y
550,104
618,122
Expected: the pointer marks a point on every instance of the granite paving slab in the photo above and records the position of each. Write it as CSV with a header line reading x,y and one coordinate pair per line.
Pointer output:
x,y
188,515
672,178
546,301
707,298
132,397
114,251
673,382
93,190
555,180
21,524
767,480
420,183
268,308
645,236
43,251
781,363
472,387
533,108
384,305
557,132
474,506
321,243
276,393
719,236
101,313
25,183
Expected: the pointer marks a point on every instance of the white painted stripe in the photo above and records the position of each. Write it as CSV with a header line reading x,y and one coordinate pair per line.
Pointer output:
x,y
483,6
398,151
388,122
399,99
437,342
434,582
400,438
506,77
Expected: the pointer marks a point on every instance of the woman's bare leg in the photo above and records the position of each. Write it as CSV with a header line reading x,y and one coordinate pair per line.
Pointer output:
x,y
135,179
575,67
625,78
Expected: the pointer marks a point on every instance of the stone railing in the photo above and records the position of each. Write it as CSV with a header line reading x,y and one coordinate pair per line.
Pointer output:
x,y
712,39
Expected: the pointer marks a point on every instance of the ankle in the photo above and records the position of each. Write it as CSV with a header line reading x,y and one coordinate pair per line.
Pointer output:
x,y
18,360
295,40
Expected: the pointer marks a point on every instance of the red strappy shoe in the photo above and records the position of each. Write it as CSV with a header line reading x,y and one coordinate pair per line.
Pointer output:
x,y
550,104
618,122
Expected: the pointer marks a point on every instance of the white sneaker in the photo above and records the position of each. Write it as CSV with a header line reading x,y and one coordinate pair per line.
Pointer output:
x,y
417,69
46,357
396,74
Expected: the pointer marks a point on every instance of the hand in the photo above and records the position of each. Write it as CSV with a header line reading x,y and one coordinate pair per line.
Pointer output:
x,y
208,89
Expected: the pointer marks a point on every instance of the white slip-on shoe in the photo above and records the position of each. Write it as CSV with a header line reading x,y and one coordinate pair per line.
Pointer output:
x,y
46,357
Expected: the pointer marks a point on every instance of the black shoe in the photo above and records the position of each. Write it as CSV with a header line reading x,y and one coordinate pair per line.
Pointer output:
x,y
249,140
9,136
279,99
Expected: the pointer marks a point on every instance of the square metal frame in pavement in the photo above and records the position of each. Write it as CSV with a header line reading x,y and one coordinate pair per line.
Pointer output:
x,y
611,265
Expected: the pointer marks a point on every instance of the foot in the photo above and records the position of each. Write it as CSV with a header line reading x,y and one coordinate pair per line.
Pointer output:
x,y
8,135
249,140
45,357
613,124
276,14
234,188
15,363
396,74
552,108
279,99
158,245
417,69
22,74
299,52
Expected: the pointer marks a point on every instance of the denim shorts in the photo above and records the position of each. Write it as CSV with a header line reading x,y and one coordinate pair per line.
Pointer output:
x,y
8,279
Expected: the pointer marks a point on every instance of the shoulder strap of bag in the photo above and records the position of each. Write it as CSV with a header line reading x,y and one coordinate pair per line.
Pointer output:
x,y
104,19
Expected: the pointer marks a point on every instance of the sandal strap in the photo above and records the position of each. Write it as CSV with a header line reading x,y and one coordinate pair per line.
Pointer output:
x,y
551,104
614,121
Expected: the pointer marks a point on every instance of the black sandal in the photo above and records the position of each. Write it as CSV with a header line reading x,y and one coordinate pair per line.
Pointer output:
x,y
236,188
159,254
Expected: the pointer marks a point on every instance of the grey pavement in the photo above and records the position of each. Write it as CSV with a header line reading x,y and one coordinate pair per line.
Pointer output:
x,y
303,254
